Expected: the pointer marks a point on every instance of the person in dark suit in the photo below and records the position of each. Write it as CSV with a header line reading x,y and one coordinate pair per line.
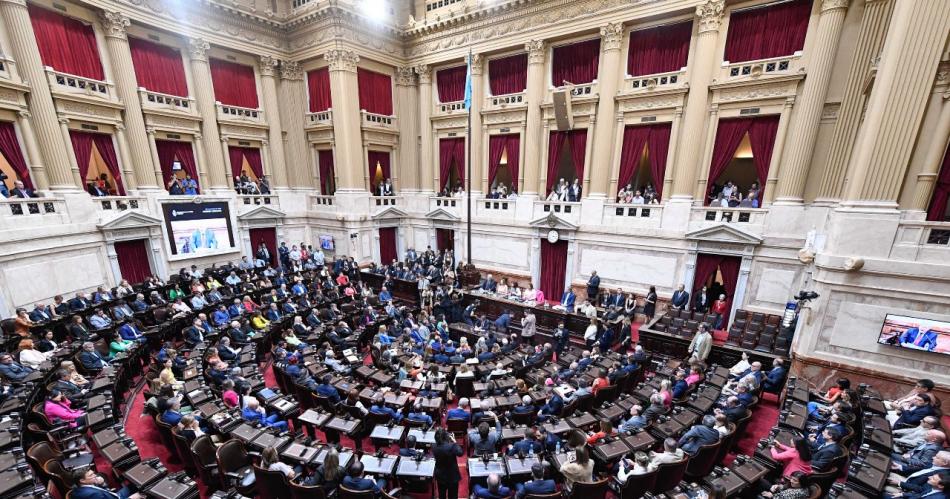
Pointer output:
x,y
20,191
699,435
701,301
12,370
593,286
921,407
537,485
447,473
495,489
139,304
78,303
90,485
64,384
937,487
567,300
91,359
526,445
354,480
775,379
734,411
920,457
916,483
926,339
41,313
488,284
680,299
824,454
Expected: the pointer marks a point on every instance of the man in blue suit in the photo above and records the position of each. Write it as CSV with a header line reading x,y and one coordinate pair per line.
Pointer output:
x,y
354,480
325,389
129,332
503,321
526,445
41,313
460,412
12,370
488,284
567,301
922,406
379,407
920,457
537,485
91,359
775,379
699,435
90,485
254,413
916,483
914,337
495,489
680,299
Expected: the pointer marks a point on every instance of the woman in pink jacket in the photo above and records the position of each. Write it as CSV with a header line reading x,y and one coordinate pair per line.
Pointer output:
x,y
57,409
794,458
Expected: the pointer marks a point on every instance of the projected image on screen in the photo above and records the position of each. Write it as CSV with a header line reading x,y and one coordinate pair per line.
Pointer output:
x,y
916,333
198,229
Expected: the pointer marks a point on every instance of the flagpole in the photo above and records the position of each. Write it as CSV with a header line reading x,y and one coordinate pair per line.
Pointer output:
x,y
468,175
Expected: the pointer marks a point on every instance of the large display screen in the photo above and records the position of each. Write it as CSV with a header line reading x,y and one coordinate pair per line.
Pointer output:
x,y
198,228
916,333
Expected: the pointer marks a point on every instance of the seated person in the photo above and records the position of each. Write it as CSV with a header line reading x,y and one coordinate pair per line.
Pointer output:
x,y
529,445
733,410
830,397
909,438
636,421
921,407
495,489
581,469
824,454
917,483
920,457
91,485
100,320
354,480
484,440
796,486
537,485
640,465
325,389
417,414
699,435
410,449
671,453
922,386
606,431
58,409
460,412
254,413
91,359
270,460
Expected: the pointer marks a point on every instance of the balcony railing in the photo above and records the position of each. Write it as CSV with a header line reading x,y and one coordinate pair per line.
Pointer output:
x,y
502,101
238,113
633,215
497,204
321,201
750,216
17,213
444,202
252,200
378,120
73,84
582,90
558,207
762,67
922,241
659,80
320,118
119,203
450,107
158,100
383,202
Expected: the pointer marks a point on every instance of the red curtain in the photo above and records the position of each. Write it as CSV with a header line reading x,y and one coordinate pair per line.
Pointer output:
x,y
327,173
10,149
444,239
382,158
158,67
659,50
133,260
266,235
234,84
451,153
66,44
82,146
318,87
508,75
168,150
634,140
252,154
553,267
555,143
938,201
729,135
375,91
498,144
763,32
706,266
576,63
387,244
451,83
578,139
659,146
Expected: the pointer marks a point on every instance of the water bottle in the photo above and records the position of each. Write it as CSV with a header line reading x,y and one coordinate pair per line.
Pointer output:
x,y
531,452
557,449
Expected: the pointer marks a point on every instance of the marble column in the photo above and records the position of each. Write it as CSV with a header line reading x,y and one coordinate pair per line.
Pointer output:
x,y
479,166
896,106
33,156
202,159
216,167
148,176
934,159
292,93
278,167
406,108
344,94
70,152
874,22
805,118
426,161
772,182
121,144
608,80
533,140
702,66
53,157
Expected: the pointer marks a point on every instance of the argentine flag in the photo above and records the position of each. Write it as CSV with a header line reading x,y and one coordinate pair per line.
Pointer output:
x,y
468,82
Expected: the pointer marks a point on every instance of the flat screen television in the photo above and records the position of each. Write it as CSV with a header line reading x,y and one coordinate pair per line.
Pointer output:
x,y
915,333
198,229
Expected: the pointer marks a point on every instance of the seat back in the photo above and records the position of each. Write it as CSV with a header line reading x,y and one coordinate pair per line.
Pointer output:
x,y
464,387
165,431
204,451
39,454
637,485
727,441
231,456
345,493
523,418
594,490
58,474
824,480
271,484
702,463
606,394
568,409
669,475
184,451
298,491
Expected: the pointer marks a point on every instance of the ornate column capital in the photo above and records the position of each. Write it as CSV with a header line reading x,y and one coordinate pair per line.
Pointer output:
x,y
536,51
829,5
114,23
63,120
121,126
150,130
20,3
198,49
611,35
424,72
709,15
342,60
290,70
24,113
405,76
477,65
198,136
269,65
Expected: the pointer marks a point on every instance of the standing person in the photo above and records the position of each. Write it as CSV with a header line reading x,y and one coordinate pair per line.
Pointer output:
x,y
701,345
528,326
593,287
720,307
649,304
447,473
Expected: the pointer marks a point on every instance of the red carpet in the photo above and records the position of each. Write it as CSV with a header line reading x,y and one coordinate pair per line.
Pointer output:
x,y
141,428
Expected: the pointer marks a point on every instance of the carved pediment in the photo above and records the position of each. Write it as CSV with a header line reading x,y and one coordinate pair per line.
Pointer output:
x,y
261,213
724,233
552,221
390,213
440,214
130,220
